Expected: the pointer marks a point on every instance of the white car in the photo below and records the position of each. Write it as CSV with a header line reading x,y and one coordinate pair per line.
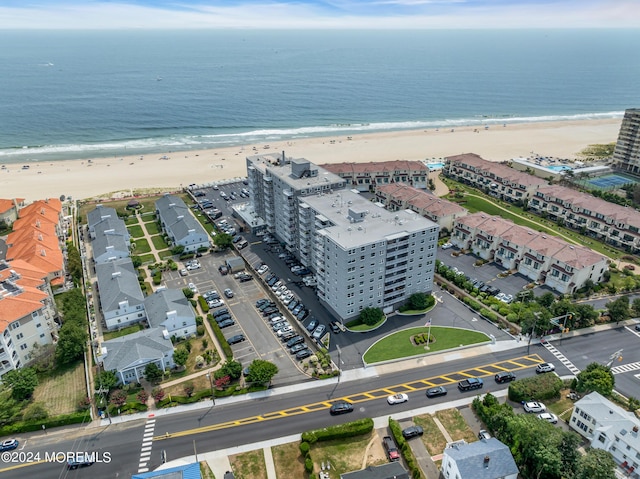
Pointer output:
x,y
398,398
285,330
447,246
263,269
183,272
549,417
193,288
545,368
216,303
534,406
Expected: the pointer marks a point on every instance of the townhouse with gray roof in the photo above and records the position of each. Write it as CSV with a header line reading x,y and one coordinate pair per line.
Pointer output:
x,y
607,426
391,470
170,310
121,299
97,215
367,176
110,243
129,355
614,224
496,179
484,459
180,225
562,266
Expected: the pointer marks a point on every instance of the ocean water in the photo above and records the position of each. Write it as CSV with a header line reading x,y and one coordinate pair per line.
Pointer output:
x,y
70,95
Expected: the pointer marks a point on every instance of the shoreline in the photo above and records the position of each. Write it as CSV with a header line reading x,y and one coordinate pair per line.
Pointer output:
x,y
122,176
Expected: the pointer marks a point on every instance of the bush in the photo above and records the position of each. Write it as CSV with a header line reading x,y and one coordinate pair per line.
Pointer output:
x,y
341,431
203,304
405,449
308,465
543,386
226,349
304,448
28,426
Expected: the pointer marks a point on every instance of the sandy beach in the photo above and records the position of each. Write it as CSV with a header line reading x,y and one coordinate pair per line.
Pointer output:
x,y
126,175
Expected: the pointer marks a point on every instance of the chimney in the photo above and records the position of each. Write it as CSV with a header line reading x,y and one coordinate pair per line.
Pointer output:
x,y
486,461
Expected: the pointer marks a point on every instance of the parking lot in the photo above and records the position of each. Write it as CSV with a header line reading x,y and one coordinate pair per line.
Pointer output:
x,y
487,273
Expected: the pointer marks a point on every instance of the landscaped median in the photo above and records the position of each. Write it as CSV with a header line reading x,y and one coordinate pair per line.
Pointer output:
x,y
412,342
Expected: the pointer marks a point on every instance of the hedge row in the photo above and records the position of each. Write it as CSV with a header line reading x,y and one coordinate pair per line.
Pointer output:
x,y
341,431
405,449
206,393
226,349
57,421
472,303
203,304
543,386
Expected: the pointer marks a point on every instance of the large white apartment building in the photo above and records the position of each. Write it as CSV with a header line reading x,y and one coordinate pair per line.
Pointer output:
x,y
363,255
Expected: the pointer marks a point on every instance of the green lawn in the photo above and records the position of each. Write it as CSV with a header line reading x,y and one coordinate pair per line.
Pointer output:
x,y
147,258
136,231
131,220
134,328
357,326
142,246
159,242
152,228
164,254
398,345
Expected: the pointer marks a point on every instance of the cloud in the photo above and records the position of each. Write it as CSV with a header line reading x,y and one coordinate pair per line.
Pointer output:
x,y
343,14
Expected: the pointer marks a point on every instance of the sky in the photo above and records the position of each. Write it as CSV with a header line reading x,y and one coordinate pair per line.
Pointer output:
x,y
317,14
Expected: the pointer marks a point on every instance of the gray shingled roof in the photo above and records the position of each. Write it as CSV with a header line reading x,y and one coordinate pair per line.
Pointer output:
x,y
177,218
470,459
98,213
164,300
111,225
117,281
392,470
102,242
137,348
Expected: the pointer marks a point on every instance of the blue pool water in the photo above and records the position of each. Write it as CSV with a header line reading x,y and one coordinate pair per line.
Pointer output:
x,y
435,166
558,168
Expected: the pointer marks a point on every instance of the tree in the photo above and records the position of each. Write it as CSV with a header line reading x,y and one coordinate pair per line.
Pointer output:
x,y
187,293
152,372
371,316
233,369
421,301
222,382
546,300
180,356
619,309
178,249
261,371
595,377
106,379
223,240
22,382
635,306
569,454
71,343
596,464
118,398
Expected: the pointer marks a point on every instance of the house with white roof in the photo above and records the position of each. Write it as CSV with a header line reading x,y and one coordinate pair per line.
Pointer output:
x,y
485,459
609,427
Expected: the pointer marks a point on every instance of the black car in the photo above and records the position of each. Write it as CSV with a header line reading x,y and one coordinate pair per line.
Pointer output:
x,y
269,310
238,338
437,391
222,318
412,431
237,238
220,312
341,407
267,305
303,354
292,305
505,377
287,336
335,329
261,301
312,325
226,323
302,314
295,340
296,348
246,277
302,272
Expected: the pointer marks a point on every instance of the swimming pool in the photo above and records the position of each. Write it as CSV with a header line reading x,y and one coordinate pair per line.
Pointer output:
x,y
558,167
435,166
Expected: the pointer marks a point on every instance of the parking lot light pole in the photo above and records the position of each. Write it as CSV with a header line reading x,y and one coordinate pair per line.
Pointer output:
x,y
213,393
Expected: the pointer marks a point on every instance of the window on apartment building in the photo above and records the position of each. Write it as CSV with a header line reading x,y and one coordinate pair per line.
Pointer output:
x,y
38,325
19,336
140,315
23,347
42,335
602,438
14,325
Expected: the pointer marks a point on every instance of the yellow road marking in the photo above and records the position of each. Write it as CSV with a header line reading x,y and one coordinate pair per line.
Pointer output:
x,y
364,396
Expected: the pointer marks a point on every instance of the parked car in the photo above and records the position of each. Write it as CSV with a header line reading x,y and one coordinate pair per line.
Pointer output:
x,y
335,329
223,270
238,338
319,332
391,449
183,272
297,347
505,377
549,417
228,293
397,398
291,306
483,434
447,246
193,287
220,312
303,354
216,303
261,301
534,406
245,277
312,325
436,391
302,314
226,323
263,269
412,431
341,407
545,368
287,336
